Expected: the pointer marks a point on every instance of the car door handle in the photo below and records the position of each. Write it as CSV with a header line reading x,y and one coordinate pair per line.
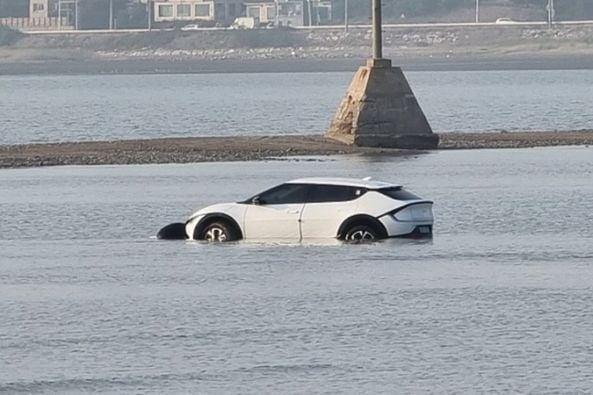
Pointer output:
x,y
293,211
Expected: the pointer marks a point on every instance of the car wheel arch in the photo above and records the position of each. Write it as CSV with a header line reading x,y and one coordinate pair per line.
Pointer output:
x,y
214,217
362,219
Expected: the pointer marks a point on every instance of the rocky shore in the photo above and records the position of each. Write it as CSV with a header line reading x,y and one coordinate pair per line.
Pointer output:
x,y
212,149
167,150
515,139
413,48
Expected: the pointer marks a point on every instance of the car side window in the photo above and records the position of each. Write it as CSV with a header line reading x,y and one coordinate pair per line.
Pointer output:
x,y
334,193
284,194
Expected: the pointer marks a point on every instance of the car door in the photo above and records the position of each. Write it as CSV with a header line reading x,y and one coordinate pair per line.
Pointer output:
x,y
275,214
327,207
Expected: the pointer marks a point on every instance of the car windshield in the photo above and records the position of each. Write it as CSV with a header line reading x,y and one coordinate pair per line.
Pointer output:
x,y
398,193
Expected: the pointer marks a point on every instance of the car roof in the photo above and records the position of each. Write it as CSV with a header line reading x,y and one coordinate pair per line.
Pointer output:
x,y
352,182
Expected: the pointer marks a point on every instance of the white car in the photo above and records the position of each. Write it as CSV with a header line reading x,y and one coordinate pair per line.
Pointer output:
x,y
505,21
189,28
309,208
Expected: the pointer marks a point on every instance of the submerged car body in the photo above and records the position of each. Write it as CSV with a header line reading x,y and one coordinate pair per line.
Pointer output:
x,y
349,209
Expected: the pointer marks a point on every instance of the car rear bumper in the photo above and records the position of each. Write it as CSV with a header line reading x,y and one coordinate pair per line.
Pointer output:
x,y
411,229
419,232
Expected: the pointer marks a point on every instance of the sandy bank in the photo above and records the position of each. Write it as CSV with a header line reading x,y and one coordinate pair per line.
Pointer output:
x,y
211,149
167,150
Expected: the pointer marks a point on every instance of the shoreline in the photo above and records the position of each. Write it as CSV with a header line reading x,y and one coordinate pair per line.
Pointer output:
x,y
416,48
226,149
429,62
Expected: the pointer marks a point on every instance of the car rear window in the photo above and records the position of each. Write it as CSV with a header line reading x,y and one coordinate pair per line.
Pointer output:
x,y
398,193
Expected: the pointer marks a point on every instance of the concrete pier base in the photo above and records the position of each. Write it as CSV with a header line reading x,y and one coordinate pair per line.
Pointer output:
x,y
380,110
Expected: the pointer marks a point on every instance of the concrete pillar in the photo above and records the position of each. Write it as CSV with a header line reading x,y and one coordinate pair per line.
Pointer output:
x,y
380,109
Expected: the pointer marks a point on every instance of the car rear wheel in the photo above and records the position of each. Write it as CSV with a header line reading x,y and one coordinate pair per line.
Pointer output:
x,y
361,234
218,232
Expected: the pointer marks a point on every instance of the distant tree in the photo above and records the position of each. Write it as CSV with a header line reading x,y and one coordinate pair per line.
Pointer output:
x,y
574,9
424,7
565,9
360,9
133,16
94,14
357,9
529,2
14,8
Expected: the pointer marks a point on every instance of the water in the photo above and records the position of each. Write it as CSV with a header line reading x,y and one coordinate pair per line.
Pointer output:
x,y
66,108
500,300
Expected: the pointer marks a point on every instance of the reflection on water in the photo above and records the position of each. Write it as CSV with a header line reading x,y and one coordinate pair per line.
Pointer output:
x,y
105,107
499,300
316,242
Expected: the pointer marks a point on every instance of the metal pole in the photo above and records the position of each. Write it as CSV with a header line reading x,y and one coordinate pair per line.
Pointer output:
x,y
60,14
149,14
110,14
549,14
76,26
346,15
477,11
377,38
310,13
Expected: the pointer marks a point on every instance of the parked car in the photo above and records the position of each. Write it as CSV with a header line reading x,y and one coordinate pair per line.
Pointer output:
x,y
505,21
348,209
187,28
244,23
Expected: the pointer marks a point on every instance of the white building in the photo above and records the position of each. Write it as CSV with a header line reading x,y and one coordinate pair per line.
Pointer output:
x,y
277,12
290,12
224,11
39,15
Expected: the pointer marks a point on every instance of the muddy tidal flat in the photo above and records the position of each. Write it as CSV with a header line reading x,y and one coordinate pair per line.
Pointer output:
x,y
219,149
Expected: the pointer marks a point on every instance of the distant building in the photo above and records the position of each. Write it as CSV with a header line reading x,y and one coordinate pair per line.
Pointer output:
x,y
276,12
37,14
290,12
61,14
223,11
38,9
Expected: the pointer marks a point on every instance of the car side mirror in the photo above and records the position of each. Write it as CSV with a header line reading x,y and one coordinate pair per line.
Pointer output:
x,y
256,201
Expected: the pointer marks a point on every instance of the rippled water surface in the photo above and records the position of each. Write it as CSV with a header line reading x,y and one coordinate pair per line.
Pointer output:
x,y
500,300
59,108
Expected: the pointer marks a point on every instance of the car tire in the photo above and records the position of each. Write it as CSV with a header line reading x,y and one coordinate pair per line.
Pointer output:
x,y
361,234
218,232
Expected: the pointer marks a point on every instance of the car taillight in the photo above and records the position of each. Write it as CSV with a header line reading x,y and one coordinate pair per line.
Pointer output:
x,y
415,212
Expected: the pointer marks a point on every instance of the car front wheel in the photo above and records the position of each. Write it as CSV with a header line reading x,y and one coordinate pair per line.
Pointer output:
x,y
218,232
360,234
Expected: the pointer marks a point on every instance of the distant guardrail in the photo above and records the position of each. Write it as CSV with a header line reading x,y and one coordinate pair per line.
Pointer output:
x,y
324,27
32,24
